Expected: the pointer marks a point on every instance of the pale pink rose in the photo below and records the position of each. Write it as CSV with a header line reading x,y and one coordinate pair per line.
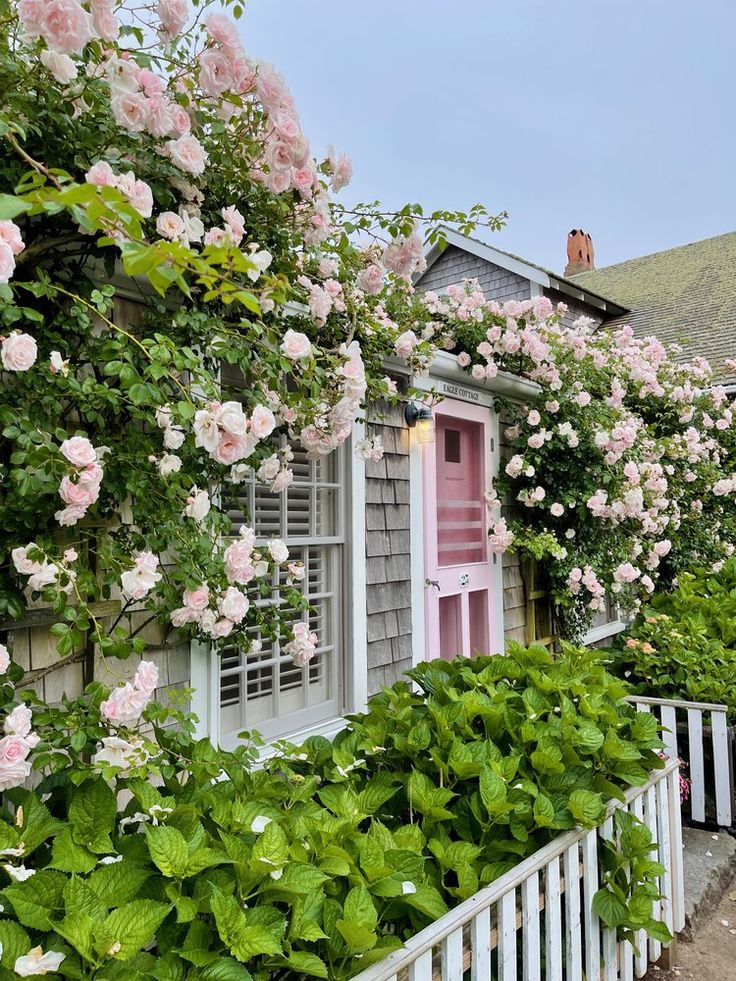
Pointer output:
x,y
230,417
198,504
160,117
262,422
278,550
173,438
183,615
11,235
405,343
70,555
169,225
104,20
37,962
342,171
70,515
79,451
217,237
303,178
60,66
57,364
120,753
65,26
188,154
7,263
231,448
221,628
146,677
19,722
142,199
130,110
14,766
151,83
296,345
173,15
18,351
233,604
238,562
4,659
234,222
215,72
198,598
101,174
168,464
24,565
557,510
282,480
140,580
125,705
78,494
371,280
223,30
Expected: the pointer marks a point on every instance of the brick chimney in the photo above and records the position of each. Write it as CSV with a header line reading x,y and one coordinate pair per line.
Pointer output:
x,y
580,254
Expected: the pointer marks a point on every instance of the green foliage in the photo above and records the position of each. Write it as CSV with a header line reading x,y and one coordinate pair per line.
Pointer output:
x,y
684,644
331,854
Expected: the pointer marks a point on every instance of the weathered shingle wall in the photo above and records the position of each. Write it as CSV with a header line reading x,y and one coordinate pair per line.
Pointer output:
x,y
388,551
455,265
575,308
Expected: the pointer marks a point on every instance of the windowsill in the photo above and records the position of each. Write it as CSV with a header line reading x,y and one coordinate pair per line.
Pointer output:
x,y
604,631
329,729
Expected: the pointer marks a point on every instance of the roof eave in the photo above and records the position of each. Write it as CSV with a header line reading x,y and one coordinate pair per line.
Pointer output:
x,y
527,270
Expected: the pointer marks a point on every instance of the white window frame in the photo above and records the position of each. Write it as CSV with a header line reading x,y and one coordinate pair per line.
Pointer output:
x,y
352,692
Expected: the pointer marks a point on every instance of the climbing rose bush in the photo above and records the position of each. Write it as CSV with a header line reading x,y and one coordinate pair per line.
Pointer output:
x,y
622,469
146,155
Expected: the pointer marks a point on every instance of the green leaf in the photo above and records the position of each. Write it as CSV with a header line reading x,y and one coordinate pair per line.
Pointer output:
x,y
304,964
271,849
119,883
224,969
132,926
492,791
92,815
245,937
169,850
544,811
14,942
37,899
11,206
68,856
78,930
609,908
359,908
586,807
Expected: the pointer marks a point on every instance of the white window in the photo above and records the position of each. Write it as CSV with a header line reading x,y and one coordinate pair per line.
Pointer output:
x,y
265,690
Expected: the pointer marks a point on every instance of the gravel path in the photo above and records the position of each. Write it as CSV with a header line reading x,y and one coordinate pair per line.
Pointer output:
x,y
712,954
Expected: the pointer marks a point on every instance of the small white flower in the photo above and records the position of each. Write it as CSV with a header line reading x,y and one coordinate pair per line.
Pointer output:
x,y
20,873
14,852
408,888
276,874
111,859
259,824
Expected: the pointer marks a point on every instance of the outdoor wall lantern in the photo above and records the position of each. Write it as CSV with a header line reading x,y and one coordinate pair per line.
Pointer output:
x,y
419,417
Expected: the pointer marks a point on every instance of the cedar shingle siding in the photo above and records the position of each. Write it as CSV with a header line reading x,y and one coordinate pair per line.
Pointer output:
x,y
454,265
388,555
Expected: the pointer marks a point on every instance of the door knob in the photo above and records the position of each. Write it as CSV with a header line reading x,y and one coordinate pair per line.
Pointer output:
x,y
431,582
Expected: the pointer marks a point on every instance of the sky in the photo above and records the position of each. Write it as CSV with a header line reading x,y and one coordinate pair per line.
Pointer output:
x,y
615,116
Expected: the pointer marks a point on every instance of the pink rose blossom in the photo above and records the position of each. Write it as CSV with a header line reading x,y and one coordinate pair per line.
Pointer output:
x,y
101,174
60,66
18,352
64,25
169,225
19,722
370,280
79,451
215,72
223,30
4,659
104,20
130,110
7,263
14,766
146,677
188,154
262,422
173,16
234,604
238,562
296,345
198,598
125,705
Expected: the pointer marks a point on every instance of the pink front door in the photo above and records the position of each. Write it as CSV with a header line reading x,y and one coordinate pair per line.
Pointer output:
x,y
459,571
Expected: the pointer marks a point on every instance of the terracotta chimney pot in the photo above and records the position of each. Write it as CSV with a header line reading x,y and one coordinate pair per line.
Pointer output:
x,y
580,252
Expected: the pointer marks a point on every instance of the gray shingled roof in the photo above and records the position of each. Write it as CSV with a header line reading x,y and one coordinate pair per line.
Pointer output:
x,y
685,295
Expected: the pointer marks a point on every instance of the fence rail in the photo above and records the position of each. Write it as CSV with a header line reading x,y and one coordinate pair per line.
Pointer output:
x,y
704,743
537,922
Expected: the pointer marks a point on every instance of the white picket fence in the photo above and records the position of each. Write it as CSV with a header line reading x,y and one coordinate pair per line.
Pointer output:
x,y
536,922
714,777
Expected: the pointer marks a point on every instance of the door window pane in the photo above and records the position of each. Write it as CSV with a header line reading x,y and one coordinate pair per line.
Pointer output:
x,y
451,638
461,527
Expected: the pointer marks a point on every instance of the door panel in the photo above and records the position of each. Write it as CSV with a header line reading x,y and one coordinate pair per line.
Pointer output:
x,y
459,571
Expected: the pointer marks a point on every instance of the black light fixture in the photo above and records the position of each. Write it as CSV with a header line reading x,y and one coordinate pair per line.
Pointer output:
x,y
419,417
